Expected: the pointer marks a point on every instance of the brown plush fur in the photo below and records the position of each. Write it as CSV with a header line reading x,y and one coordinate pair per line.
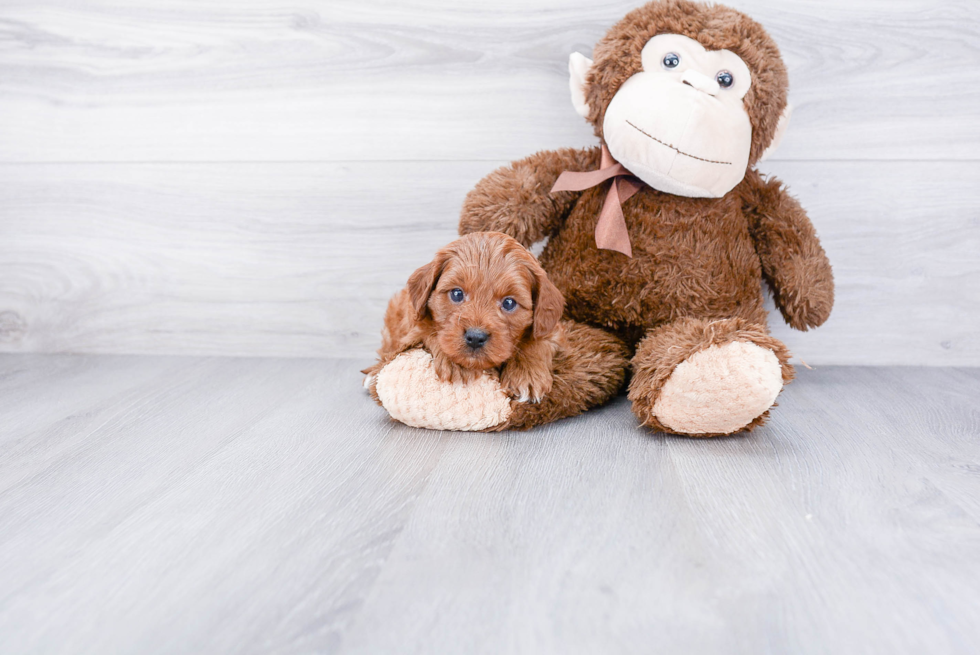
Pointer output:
x,y
699,259
487,267
589,368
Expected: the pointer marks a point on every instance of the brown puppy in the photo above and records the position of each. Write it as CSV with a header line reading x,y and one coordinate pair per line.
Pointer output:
x,y
482,303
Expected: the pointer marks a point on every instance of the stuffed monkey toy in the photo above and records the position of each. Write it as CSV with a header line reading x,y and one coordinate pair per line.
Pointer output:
x,y
659,237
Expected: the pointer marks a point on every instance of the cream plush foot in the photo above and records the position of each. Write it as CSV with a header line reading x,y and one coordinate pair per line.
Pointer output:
x,y
719,390
705,378
408,388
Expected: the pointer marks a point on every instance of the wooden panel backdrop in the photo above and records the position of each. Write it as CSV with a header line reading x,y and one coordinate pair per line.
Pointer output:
x,y
254,177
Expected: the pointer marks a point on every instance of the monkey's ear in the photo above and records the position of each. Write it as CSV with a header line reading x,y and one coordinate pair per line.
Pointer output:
x,y
548,306
780,132
422,282
578,67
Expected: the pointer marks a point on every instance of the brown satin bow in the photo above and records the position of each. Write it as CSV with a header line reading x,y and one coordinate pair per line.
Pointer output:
x,y
610,230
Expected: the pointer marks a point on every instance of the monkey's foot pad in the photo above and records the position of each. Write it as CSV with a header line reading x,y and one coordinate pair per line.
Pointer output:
x,y
411,392
719,390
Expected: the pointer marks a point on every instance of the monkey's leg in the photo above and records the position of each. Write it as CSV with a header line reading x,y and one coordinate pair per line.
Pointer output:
x,y
408,387
588,371
707,378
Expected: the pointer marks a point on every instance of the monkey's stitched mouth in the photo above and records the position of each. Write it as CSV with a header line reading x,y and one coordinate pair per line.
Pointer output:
x,y
678,150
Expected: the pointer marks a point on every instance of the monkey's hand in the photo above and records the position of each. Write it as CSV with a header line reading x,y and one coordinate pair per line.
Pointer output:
x,y
803,289
517,199
793,261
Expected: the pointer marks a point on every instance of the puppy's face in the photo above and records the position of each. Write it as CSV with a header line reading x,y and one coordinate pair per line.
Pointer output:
x,y
485,293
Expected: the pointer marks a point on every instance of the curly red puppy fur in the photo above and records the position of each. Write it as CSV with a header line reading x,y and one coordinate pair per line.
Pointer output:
x,y
483,303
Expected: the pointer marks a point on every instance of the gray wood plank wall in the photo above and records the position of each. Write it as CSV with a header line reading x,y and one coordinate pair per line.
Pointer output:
x,y
256,178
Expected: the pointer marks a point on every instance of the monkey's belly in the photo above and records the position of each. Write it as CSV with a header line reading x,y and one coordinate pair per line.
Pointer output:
x,y
664,280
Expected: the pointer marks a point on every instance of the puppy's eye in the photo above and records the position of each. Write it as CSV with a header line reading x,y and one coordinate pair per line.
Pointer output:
x,y
671,60
457,295
508,304
724,79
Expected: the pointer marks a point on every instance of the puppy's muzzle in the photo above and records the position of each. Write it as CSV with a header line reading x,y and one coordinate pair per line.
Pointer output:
x,y
475,338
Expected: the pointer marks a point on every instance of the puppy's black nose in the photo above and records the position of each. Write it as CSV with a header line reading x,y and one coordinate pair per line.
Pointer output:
x,y
475,337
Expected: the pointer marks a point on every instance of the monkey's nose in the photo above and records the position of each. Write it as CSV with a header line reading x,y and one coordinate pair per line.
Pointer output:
x,y
475,337
700,81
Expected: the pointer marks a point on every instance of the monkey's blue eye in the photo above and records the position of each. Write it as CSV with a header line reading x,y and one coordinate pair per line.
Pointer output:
x,y
725,79
508,304
671,60
457,295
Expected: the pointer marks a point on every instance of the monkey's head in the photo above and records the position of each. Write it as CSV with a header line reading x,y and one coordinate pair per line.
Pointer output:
x,y
687,96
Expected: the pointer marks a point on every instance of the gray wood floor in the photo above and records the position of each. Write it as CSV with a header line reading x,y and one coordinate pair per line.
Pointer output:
x,y
163,504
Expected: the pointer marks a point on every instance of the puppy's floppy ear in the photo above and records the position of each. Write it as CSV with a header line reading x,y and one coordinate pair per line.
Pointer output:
x,y
423,281
548,305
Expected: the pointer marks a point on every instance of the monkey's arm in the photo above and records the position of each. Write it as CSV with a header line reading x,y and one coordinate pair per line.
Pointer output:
x,y
793,261
516,199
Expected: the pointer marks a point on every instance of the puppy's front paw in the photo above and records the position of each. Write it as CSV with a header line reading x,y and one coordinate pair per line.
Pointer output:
x,y
449,371
525,384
